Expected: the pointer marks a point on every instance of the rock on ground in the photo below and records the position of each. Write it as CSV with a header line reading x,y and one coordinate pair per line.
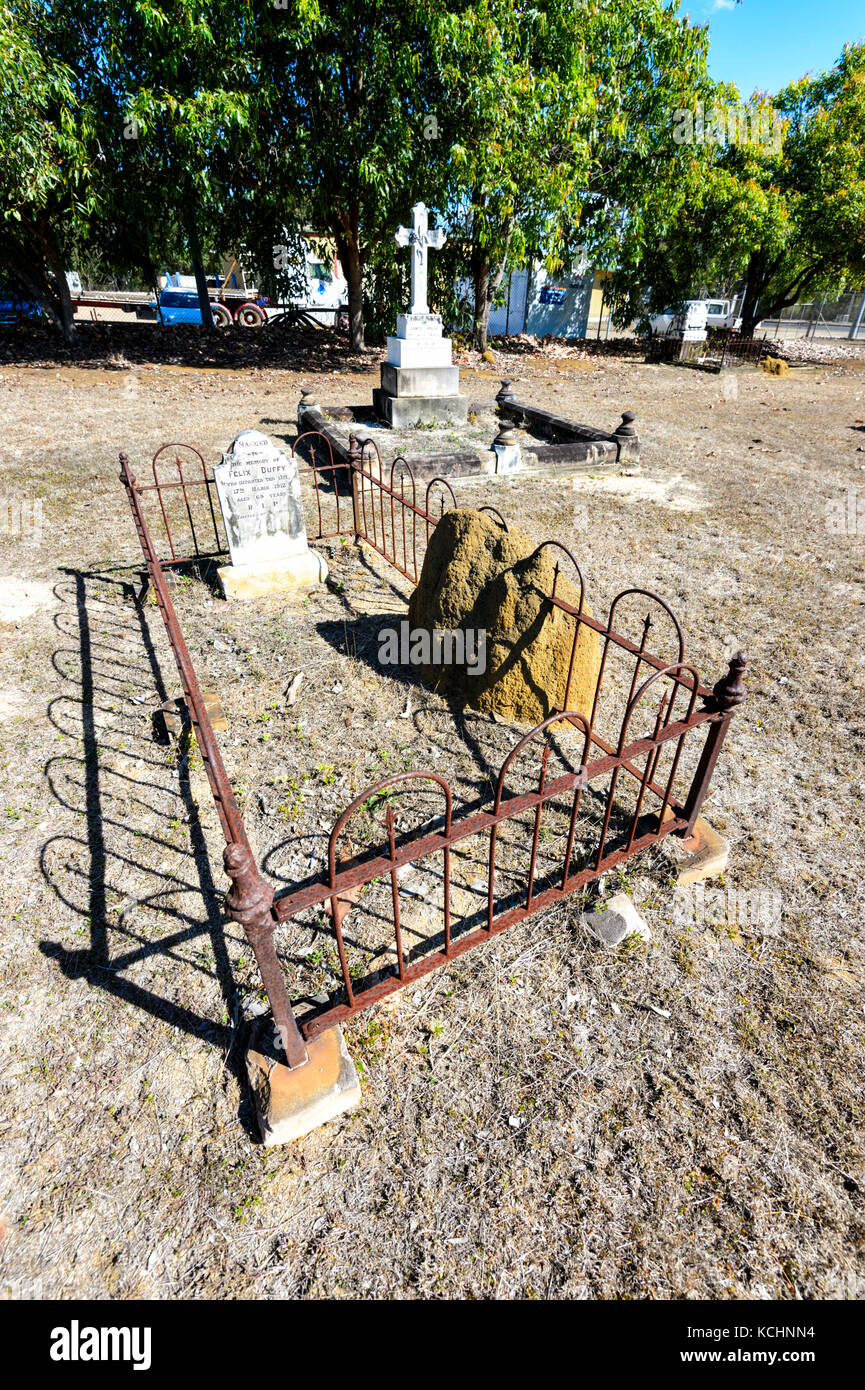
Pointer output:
x,y
477,577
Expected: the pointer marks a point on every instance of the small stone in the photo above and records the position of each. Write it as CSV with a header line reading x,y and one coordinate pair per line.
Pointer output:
x,y
608,927
617,920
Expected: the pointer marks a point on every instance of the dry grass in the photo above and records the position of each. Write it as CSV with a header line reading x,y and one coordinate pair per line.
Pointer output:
x,y
531,1125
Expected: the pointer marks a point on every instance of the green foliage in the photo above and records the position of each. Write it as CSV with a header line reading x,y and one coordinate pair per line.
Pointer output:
x,y
49,189
782,209
137,132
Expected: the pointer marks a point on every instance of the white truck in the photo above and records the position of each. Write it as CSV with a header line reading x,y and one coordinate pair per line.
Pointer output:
x,y
692,317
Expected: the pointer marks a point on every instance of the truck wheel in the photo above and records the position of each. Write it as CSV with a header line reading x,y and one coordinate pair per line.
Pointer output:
x,y
250,316
221,316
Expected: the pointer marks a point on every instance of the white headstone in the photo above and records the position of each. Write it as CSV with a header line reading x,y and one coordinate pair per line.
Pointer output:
x,y
259,493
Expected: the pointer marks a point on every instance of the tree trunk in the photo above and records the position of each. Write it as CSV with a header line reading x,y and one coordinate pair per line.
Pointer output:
x,y
39,290
483,299
349,258
48,284
67,313
750,306
755,284
200,276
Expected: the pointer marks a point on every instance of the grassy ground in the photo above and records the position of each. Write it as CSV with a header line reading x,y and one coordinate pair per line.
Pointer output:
x,y
544,1118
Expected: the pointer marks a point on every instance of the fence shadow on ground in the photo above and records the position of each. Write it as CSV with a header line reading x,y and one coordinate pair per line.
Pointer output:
x,y
116,784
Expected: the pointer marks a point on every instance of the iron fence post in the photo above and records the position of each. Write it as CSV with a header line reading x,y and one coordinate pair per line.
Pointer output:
x,y
355,461
250,903
728,693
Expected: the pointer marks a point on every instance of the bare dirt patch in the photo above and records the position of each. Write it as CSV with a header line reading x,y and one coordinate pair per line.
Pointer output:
x,y
674,1119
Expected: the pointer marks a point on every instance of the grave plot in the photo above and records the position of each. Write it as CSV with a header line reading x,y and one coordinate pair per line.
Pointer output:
x,y
515,438
419,414
423,862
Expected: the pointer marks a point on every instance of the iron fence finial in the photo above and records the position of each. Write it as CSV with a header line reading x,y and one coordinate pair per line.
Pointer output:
x,y
730,690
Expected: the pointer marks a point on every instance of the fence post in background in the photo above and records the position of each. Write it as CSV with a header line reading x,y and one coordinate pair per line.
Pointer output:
x,y
728,694
355,460
858,320
250,902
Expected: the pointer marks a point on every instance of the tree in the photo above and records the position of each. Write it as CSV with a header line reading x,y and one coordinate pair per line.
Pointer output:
x,y
49,183
511,89
558,122
781,204
172,92
650,67
337,116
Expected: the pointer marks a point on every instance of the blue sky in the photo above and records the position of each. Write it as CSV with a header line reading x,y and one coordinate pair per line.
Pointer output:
x,y
768,43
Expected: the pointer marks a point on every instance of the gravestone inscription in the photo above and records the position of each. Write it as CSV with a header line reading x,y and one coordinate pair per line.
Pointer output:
x,y
259,493
258,487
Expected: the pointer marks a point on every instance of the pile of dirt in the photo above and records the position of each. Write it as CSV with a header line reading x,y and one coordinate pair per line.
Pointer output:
x,y
477,577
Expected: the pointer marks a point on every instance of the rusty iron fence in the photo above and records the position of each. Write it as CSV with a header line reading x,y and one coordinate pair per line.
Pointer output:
x,y
721,348
607,783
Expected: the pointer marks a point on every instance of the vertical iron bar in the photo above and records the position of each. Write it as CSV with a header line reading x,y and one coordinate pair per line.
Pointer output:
x,y
394,888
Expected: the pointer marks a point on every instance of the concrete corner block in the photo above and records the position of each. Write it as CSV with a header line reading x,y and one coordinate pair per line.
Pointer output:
x,y
708,853
289,1102
617,920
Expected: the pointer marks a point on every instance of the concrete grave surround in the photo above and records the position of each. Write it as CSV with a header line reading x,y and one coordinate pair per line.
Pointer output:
x,y
259,494
419,383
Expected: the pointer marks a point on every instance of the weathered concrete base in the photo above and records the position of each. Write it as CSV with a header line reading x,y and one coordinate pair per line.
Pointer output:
x,y
401,411
419,381
708,854
275,577
291,1102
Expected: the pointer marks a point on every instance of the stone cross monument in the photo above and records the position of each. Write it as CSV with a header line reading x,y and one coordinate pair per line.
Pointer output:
x,y
421,240
419,383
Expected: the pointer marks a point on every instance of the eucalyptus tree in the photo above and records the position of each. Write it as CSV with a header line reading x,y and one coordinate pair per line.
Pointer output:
x,y
781,200
49,174
557,129
339,101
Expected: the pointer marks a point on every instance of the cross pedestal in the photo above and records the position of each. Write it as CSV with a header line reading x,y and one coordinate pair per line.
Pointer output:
x,y
419,383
